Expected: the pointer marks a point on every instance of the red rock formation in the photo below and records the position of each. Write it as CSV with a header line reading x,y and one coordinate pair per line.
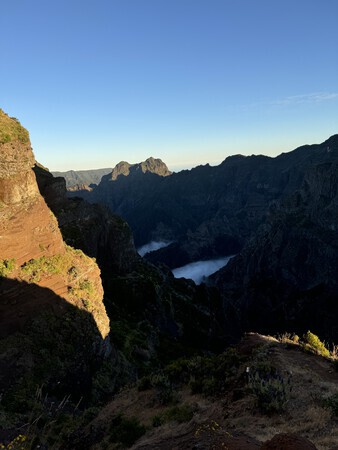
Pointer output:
x,y
28,229
31,240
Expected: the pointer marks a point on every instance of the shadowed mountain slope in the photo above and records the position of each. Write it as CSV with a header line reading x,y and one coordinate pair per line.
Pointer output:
x,y
208,211
286,276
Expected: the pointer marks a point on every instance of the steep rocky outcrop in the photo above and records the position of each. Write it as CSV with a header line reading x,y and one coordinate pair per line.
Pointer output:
x,y
126,188
28,229
151,165
90,227
44,283
286,276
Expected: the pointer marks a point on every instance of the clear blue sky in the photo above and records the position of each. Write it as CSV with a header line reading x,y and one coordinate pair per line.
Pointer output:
x,y
188,81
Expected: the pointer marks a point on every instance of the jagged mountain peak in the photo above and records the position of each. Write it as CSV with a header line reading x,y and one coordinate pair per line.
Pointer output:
x,y
152,165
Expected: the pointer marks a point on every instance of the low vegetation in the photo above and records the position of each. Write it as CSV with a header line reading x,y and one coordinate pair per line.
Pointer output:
x,y
125,430
271,388
34,269
207,375
179,414
310,342
12,130
266,389
6,267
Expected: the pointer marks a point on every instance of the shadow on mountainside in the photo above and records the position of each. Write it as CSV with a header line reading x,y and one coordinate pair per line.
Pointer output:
x,y
45,341
229,416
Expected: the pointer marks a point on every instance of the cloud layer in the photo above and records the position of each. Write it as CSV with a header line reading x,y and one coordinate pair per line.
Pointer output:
x,y
199,270
152,246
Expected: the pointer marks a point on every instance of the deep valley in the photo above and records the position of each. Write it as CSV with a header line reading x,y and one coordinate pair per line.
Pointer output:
x,y
102,348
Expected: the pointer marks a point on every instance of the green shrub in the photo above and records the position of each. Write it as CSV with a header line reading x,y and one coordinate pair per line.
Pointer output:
x,y
34,269
19,442
288,337
312,342
86,286
180,414
6,267
127,336
295,338
178,370
211,375
125,430
272,391
164,387
85,291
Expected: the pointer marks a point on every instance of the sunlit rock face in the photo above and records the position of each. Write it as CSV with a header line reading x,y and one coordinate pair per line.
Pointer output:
x,y
52,317
92,228
31,246
28,229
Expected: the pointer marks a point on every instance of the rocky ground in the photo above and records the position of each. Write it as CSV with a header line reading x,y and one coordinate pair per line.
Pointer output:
x,y
232,419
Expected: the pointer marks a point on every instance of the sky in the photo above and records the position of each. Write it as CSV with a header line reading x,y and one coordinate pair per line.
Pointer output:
x,y
188,81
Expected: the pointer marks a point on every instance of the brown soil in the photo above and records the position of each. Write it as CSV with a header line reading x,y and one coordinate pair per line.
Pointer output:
x,y
313,379
233,421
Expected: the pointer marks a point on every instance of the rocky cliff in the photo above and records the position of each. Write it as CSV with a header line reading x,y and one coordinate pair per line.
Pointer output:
x,y
27,227
126,188
50,294
90,227
286,276
151,165
146,304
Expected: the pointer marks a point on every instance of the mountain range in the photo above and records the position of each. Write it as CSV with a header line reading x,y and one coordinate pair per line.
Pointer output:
x,y
83,315
278,215
207,211
78,178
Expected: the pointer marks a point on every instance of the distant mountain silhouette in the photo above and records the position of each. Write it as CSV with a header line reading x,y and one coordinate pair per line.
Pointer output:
x,y
82,177
207,211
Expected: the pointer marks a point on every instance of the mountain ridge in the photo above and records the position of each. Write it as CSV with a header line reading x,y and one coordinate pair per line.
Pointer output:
x,y
207,207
